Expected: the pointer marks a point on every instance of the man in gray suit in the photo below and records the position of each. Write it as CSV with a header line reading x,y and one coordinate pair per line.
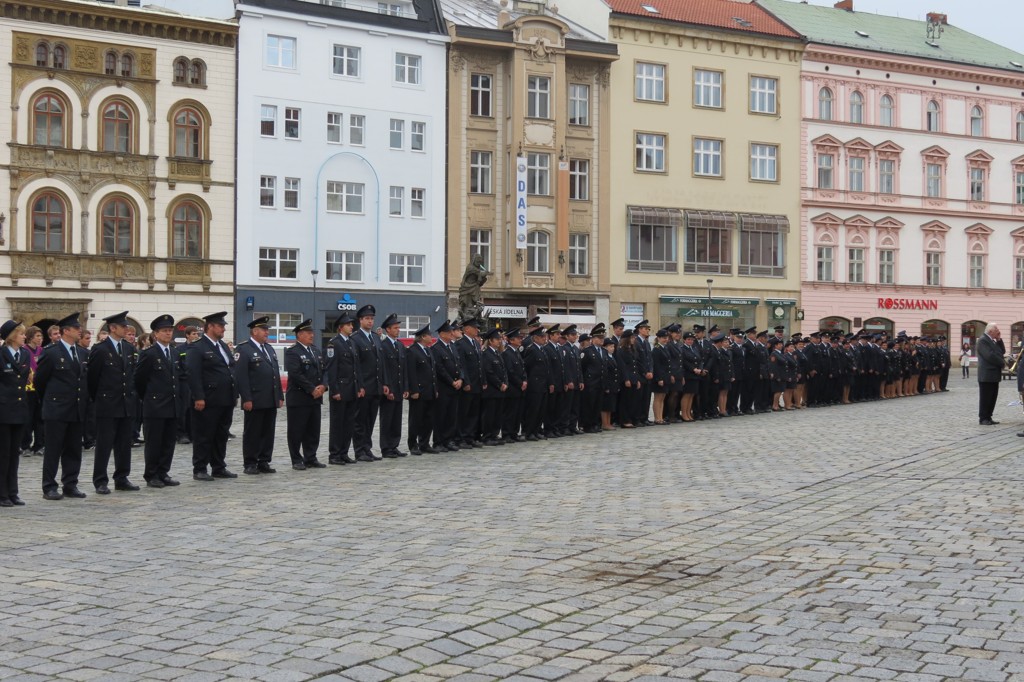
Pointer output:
x,y
990,373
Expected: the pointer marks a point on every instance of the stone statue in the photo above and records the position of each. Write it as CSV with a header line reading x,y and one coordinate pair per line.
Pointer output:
x,y
471,302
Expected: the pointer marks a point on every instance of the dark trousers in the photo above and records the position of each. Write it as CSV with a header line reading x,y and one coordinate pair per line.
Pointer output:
x,y
390,436
343,427
32,433
644,406
469,416
258,428
533,413
733,400
446,414
565,422
944,378
63,448
490,417
210,437
575,405
303,432
590,407
988,392
184,400
421,423
748,394
161,435
671,410
113,433
10,456
366,417
553,413
512,414
89,426
629,404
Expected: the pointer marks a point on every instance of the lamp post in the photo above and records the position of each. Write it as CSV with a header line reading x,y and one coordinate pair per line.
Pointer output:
x,y
707,321
314,272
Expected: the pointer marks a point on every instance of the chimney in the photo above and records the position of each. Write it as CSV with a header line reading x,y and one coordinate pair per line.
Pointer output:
x,y
844,4
937,18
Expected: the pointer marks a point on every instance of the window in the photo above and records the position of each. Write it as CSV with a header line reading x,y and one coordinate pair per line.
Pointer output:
x,y
537,251
652,239
824,263
579,247
933,173
707,89
127,66
931,119
887,111
977,122
48,221
650,152
291,192
397,133
707,157
385,8
268,191
116,222
763,92
188,134
417,199
187,231
346,61
396,201
291,123
856,107
708,242
110,63
1019,188
48,121
856,174
480,94
855,272
650,82
579,104
334,121
480,172
886,266
117,128
345,266
825,163
933,269
42,54
279,263
268,120
887,176
977,184
579,179
60,57
406,269
764,162
356,128
408,325
197,73
280,52
180,71
825,104
1018,269
977,271
538,174
345,197
417,135
763,245
1020,126
407,68
281,327
538,97
480,245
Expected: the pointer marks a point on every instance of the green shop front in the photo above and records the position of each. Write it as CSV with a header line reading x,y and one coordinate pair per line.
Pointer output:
x,y
728,312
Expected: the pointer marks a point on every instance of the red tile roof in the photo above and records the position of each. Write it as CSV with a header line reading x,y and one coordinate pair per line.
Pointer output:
x,y
736,15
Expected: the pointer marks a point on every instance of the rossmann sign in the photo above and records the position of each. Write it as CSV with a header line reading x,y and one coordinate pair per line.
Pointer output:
x,y
908,304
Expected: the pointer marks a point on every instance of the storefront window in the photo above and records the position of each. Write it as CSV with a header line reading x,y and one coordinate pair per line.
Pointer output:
x,y
878,325
725,312
834,324
935,328
1016,336
971,330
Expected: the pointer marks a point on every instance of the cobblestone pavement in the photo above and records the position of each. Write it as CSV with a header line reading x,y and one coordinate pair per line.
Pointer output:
x,y
878,541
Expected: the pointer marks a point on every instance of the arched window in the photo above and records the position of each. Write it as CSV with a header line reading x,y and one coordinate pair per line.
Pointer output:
x,y
127,66
117,128
60,57
825,104
197,73
48,121
977,122
1020,126
180,70
49,214
110,63
537,252
888,111
188,134
117,220
856,107
932,117
42,54
187,231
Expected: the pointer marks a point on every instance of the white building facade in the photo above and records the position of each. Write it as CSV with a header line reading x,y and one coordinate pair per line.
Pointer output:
x,y
341,162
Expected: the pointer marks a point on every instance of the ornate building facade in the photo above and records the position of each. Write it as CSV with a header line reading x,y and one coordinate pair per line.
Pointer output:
x,y
118,173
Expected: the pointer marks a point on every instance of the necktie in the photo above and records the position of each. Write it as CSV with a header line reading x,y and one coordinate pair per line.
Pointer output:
x,y
74,355
167,354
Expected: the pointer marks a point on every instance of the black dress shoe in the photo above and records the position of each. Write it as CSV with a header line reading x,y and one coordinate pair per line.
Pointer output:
x,y
336,460
17,501
315,464
365,458
987,422
299,466
532,437
224,473
265,468
231,436
125,485
74,492
201,476
437,448
415,452
251,471
101,489
429,450
155,483
399,453
6,503
391,455
184,440
168,481
452,447
52,495
88,445
491,442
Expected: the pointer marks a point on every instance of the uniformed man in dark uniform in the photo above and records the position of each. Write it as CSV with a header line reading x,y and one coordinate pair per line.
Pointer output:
x,y
15,410
62,382
618,326
573,381
258,378
515,396
346,388
421,387
112,365
184,396
212,383
539,385
645,365
556,371
304,398
495,379
735,347
470,359
393,353
531,325
156,382
449,384
592,371
371,374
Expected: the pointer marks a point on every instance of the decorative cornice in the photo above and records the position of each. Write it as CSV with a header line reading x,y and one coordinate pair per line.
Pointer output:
x,y
886,62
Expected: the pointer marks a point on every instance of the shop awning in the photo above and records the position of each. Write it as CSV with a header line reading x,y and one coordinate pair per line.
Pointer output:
x,y
761,222
651,215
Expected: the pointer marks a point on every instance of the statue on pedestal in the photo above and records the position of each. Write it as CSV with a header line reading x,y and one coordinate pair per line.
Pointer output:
x,y
471,301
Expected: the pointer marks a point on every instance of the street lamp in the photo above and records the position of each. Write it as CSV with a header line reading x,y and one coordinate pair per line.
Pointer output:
x,y
314,272
708,320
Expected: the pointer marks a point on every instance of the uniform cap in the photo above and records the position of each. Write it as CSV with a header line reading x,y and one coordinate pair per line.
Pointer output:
x,y
571,329
344,318
553,329
626,333
609,342
717,338
259,323
597,329
445,326
305,325
735,331
119,318
674,327
162,322
513,333
217,318
6,328
389,320
779,328
688,335
643,323
367,311
539,331
471,322
533,321
714,328
423,331
619,323
492,334
584,337
762,334
751,330
661,333
699,328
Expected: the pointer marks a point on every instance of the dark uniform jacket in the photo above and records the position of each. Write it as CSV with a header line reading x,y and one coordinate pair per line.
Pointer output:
x,y
14,371
538,371
494,373
471,361
675,364
62,384
420,376
644,358
571,365
693,361
446,366
257,375
156,382
305,367
515,370
556,371
629,366
592,369
660,361
210,378
112,378
343,375
393,354
371,365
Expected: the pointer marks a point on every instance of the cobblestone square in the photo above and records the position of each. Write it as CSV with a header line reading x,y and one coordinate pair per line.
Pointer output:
x,y
873,541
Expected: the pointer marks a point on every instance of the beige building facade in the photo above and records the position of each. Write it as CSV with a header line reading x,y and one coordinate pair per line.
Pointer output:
x,y
706,151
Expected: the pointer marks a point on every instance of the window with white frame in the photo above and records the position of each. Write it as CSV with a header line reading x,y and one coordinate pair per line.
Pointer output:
x,y
977,184
579,179
268,120
537,244
408,68
708,244
538,174
650,82
346,61
579,104
281,326
480,172
855,271
887,266
1020,126
579,248
291,192
763,94
1018,273
417,202
417,136
932,118
933,180
826,179
887,111
650,152
397,136
388,8
406,268
977,122
538,97
408,325
345,197
887,176
824,262
825,104
345,266
1018,194
279,263
268,191
280,52
334,123
652,241
291,123
707,157
707,88
856,107
480,94
856,174
933,268
396,201
977,270
764,162
763,245
480,245
356,129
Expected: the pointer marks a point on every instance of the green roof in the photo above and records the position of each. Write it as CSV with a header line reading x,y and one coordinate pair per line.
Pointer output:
x,y
892,35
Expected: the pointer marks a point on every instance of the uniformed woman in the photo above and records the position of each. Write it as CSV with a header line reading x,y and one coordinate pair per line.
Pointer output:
x,y
612,384
663,379
14,409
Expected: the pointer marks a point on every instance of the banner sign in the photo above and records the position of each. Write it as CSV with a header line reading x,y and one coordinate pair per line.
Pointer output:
x,y
520,202
708,312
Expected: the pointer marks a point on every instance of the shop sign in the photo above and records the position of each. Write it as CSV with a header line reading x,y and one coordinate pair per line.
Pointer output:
x,y
516,311
708,312
908,304
346,302
779,301
632,314
703,300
